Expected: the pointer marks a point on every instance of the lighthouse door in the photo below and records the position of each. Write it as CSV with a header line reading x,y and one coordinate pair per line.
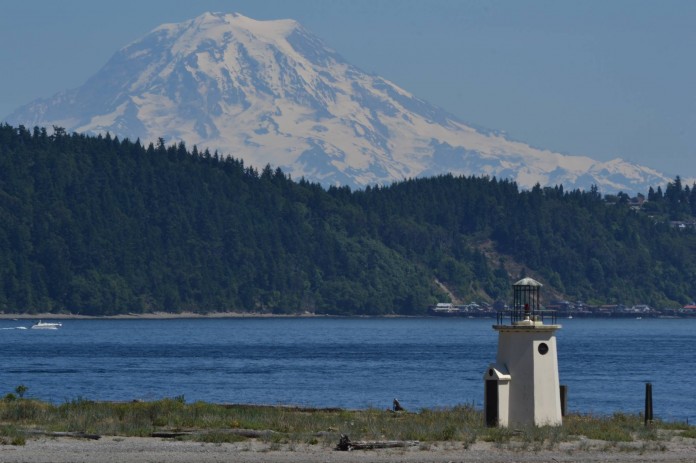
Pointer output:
x,y
491,403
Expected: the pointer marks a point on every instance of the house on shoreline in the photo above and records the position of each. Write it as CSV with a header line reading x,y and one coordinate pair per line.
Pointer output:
x,y
564,309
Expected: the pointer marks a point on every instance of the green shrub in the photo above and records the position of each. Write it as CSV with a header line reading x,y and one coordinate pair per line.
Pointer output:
x,y
12,436
289,425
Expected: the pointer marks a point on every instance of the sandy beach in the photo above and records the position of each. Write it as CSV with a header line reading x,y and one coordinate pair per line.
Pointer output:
x,y
154,450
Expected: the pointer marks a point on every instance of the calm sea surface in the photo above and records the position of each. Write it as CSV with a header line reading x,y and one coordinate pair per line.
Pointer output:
x,y
352,363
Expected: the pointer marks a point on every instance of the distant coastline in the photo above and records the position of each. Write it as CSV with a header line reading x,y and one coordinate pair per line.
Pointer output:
x,y
150,316
214,315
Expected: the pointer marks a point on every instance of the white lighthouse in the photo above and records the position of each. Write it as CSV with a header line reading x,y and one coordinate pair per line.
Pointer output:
x,y
522,386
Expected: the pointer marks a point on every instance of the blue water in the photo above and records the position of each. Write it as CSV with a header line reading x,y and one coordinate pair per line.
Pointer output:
x,y
352,363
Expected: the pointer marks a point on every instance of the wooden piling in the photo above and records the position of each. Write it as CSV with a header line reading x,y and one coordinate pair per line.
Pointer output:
x,y
648,404
564,399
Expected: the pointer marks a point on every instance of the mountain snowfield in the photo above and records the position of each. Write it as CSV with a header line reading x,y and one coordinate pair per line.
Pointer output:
x,y
270,92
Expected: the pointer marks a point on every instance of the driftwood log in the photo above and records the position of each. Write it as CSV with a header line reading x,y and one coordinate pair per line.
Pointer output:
x,y
251,433
345,444
77,435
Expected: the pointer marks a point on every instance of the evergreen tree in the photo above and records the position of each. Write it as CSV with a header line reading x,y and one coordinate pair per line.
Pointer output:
x,y
99,225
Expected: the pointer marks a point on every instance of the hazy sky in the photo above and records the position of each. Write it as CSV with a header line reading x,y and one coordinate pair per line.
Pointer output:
x,y
600,78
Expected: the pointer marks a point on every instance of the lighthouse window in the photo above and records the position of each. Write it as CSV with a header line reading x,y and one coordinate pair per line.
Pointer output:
x,y
543,348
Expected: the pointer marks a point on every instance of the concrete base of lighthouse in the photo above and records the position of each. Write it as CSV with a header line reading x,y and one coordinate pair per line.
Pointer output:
x,y
522,386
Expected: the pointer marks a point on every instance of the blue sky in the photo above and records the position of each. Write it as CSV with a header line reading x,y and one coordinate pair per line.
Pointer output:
x,y
604,79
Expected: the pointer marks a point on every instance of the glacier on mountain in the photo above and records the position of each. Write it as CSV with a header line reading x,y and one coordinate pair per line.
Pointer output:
x,y
270,92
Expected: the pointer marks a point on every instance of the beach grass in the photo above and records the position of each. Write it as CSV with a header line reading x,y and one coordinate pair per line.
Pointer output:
x,y
205,422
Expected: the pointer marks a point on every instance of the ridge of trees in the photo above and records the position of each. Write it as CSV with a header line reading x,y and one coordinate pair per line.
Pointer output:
x,y
100,226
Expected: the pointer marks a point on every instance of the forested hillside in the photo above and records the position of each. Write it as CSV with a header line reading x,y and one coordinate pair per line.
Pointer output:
x,y
97,225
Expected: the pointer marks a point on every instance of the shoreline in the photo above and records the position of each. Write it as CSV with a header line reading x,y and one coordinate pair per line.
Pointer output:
x,y
156,450
151,316
221,315
292,435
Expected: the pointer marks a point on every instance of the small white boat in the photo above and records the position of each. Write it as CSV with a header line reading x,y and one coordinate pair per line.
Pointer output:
x,y
45,326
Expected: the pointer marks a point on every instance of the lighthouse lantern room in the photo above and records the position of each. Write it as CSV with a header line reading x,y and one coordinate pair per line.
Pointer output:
x,y
522,386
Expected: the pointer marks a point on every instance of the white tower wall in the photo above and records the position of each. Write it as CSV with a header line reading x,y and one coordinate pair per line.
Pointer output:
x,y
522,387
534,397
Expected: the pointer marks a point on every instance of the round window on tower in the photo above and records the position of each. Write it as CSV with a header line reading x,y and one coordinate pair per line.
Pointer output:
x,y
543,348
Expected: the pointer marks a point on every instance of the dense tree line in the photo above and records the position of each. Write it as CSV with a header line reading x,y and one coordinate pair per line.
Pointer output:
x,y
98,225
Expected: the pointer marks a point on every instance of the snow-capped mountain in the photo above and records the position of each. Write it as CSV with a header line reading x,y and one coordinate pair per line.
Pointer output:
x,y
271,92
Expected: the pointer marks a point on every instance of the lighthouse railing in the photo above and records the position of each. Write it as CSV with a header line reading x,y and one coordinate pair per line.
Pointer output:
x,y
517,315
